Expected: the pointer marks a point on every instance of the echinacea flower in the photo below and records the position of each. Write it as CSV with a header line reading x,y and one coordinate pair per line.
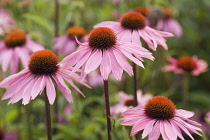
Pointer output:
x,y
184,64
16,47
66,44
159,116
132,26
127,101
169,24
104,50
6,22
43,72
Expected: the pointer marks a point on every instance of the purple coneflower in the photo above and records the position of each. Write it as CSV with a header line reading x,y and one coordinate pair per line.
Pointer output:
x,y
43,72
169,24
159,116
16,47
184,64
103,49
66,44
132,26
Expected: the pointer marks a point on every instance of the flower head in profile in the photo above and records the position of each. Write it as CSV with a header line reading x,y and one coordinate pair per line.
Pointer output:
x,y
66,44
127,101
184,64
43,72
159,116
104,50
169,24
132,26
6,22
16,47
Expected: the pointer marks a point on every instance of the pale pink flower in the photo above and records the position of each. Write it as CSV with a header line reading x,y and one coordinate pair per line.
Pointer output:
x,y
43,72
16,47
132,26
169,24
159,116
94,79
67,44
127,101
6,22
184,64
104,50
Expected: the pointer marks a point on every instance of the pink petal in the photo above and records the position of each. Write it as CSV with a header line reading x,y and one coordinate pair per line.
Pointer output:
x,y
132,58
33,46
5,62
122,61
170,131
184,113
136,38
63,87
155,133
116,68
162,130
38,87
177,130
50,89
148,128
139,125
94,61
105,67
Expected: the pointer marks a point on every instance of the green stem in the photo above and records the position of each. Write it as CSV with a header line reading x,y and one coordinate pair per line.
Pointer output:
x,y
185,90
48,117
106,95
135,85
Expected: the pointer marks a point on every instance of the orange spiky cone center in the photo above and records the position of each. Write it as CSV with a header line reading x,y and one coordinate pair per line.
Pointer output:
x,y
43,62
133,20
15,38
102,38
160,108
76,31
186,63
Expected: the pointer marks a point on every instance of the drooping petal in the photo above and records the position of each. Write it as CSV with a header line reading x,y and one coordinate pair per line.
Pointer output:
x,y
116,68
122,61
94,61
105,67
148,128
139,125
50,89
63,87
155,133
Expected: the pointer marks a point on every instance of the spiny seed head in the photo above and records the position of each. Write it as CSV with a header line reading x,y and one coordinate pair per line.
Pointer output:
x,y
76,31
133,20
15,38
186,63
168,13
129,102
141,10
102,38
160,108
43,62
